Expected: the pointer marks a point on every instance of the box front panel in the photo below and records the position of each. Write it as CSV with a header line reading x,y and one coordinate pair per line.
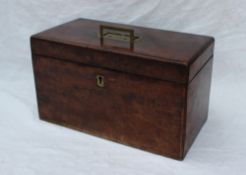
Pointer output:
x,y
130,109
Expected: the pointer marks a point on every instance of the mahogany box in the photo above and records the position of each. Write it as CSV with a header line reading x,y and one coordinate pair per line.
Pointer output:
x,y
141,87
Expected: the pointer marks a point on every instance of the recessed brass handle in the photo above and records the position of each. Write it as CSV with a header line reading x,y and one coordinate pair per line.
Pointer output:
x,y
117,33
100,80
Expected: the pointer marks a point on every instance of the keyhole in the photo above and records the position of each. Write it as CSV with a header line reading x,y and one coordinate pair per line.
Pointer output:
x,y
100,80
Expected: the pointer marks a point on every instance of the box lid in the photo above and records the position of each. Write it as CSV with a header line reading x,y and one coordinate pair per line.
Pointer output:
x,y
160,54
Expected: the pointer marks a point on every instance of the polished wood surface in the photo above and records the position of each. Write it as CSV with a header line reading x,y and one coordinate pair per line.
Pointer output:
x,y
113,61
197,104
130,109
172,50
161,45
154,97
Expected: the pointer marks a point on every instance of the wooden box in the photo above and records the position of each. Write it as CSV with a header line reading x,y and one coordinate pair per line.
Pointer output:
x,y
138,86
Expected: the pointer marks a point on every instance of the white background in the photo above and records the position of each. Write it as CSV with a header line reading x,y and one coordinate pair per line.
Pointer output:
x,y
29,146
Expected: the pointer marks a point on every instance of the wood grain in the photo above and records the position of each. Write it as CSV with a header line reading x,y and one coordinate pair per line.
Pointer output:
x,y
155,96
197,104
158,53
133,110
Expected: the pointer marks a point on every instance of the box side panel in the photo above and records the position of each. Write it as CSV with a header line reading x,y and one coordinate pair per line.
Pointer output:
x,y
201,60
197,104
129,109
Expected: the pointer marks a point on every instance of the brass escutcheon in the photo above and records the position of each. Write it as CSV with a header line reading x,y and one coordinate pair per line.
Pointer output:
x,y
100,80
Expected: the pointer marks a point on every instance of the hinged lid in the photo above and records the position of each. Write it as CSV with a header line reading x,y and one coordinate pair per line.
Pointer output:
x,y
155,53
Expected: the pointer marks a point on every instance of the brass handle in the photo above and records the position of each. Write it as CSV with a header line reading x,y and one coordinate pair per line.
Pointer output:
x,y
117,33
